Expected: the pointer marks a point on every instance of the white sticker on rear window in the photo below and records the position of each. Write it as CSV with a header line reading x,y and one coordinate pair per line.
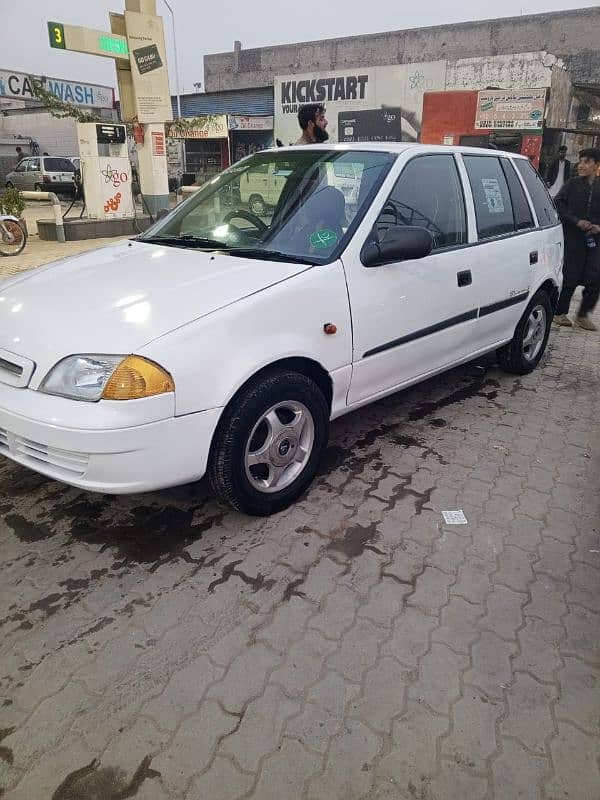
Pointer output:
x,y
493,195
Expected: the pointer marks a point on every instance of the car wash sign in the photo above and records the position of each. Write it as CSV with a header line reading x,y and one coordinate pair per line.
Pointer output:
x,y
378,104
17,86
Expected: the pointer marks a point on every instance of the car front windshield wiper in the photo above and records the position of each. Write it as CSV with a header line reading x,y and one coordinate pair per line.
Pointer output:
x,y
186,240
271,255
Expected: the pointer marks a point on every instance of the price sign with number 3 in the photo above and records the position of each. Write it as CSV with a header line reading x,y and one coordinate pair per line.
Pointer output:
x,y
56,32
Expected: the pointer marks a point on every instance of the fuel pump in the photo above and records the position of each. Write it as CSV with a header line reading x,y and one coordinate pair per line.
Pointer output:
x,y
105,170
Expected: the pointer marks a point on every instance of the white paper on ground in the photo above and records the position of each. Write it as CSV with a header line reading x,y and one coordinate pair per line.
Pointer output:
x,y
454,518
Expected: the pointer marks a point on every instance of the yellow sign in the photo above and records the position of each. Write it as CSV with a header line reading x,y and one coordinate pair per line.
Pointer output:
x,y
208,127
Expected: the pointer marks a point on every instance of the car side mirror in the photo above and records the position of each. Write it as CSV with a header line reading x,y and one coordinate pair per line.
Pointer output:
x,y
399,243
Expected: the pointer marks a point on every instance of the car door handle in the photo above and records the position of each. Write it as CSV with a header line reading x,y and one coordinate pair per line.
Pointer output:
x,y
464,278
533,257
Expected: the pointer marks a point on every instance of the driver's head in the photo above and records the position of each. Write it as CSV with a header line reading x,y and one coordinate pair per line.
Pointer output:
x,y
312,120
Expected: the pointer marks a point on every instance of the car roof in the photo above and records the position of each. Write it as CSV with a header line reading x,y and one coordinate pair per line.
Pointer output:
x,y
401,147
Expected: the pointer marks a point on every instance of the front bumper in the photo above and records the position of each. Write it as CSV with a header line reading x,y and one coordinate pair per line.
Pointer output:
x,y
113,460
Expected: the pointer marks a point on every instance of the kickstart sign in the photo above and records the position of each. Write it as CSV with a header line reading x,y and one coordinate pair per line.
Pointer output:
x,y
363,105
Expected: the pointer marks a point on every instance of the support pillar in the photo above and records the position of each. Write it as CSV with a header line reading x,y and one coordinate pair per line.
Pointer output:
x,y
154,179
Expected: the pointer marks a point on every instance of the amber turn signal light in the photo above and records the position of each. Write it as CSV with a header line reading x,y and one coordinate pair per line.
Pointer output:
x,y
136,377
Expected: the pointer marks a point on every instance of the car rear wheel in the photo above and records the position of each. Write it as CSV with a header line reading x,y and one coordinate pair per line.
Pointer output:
x,y
9,185
268,445
38,187
524,352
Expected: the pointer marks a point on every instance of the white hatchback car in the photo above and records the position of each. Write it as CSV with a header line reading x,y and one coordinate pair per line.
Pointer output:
x,y
221,342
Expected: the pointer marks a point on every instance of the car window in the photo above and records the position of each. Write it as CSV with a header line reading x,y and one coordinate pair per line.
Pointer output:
x,y
493,207
305,211
22,165
428,194
521,209
33,165
54,164
542,202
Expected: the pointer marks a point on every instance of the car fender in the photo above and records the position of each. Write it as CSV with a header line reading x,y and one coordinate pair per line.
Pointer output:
x,y
212,357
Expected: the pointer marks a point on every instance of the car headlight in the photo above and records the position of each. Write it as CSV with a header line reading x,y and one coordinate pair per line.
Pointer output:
x,y
100,377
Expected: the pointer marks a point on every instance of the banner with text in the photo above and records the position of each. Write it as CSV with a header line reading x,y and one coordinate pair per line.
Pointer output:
x,y
146,41
17,86
203,127
502,109
363,105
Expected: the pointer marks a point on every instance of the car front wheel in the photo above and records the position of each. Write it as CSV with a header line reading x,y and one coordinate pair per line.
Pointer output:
x,y
525,350
269,443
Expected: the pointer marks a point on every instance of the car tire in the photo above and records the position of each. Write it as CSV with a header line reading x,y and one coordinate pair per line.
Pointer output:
x,y
37,187
257,205
9,185
524,352
269,442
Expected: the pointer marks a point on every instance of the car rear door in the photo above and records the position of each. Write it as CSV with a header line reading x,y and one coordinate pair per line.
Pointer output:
x,y
507,246
414,317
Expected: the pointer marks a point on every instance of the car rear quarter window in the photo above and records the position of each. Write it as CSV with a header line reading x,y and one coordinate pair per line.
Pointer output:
x,y
542,202
521,209
493,205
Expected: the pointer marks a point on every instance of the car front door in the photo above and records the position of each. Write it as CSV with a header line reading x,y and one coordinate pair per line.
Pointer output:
x,y
20,174
33,176
414,317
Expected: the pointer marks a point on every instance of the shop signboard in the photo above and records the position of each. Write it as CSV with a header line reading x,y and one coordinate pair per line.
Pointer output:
x,y
247,123
17,86
212,126
510,109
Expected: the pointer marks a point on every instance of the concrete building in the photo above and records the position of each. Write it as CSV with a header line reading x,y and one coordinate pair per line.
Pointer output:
x,y
573,36
375,85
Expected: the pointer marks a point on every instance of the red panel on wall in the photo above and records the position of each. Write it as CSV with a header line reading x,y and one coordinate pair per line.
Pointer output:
x,y
449,114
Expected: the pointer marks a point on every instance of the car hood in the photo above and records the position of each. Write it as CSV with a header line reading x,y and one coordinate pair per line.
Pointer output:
x,y
118,298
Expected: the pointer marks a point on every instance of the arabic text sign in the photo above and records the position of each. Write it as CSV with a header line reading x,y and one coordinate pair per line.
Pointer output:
x,y
506,109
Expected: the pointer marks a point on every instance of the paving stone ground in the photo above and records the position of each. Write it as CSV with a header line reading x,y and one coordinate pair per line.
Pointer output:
x,y
161,647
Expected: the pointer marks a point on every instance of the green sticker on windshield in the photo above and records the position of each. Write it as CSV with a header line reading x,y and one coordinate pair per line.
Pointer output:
x,y
323,239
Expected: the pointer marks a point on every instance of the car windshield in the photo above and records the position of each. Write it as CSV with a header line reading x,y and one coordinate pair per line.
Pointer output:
x,y
297,205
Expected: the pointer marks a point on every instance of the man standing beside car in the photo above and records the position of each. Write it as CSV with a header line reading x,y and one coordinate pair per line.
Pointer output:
x,y
559,172
311,118
578,204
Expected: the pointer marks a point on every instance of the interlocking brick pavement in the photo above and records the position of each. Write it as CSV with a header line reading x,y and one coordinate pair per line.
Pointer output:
x,y
354,646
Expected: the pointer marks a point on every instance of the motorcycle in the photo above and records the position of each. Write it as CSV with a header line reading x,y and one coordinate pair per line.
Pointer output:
x,y
13,236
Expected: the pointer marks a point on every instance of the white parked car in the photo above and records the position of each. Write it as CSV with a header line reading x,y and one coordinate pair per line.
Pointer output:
x,y
221,342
